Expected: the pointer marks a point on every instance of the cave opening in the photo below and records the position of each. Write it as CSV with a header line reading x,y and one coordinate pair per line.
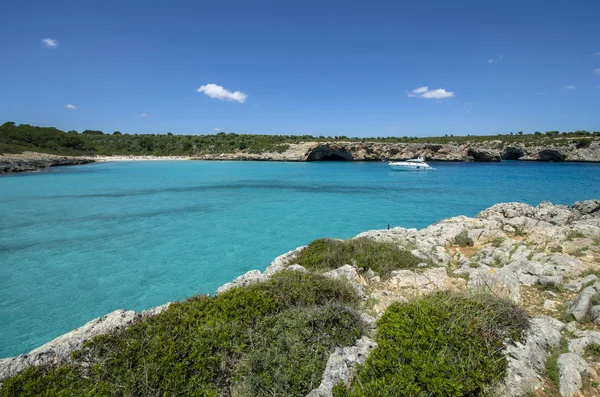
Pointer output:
x,y
550,155
512,154
333,157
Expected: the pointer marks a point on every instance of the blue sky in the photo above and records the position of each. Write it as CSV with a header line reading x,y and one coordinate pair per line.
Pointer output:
x,y
290,67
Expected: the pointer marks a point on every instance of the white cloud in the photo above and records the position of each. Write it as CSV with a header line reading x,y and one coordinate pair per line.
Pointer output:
x,y
50,43
143,114
491,60
570,87
425,92
216,129
597,71
72,107
597,54
218,92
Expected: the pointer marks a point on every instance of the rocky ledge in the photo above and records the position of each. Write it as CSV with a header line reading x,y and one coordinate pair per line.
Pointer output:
x,y
545,259
372,151
30,161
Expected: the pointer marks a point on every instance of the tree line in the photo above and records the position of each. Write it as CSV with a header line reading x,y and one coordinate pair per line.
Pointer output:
x,y
24,137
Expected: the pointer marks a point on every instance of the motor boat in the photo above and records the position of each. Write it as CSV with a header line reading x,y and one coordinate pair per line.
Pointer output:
x,y
411,165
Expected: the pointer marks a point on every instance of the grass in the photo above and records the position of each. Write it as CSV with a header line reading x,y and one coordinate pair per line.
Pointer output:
x,y
552,366
579,252
573,234
271,338
463,240
326,254
497,242
593,351
443,344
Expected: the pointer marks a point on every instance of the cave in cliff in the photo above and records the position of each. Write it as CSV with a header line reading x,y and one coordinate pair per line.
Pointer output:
x,y
550,155
328,154
512,153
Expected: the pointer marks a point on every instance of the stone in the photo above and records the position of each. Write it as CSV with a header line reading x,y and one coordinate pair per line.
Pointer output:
x,y
282,261
570,367
296,268
526,361
585,338
502,283
587,208
349,273
595,314
582,303
341,364
59,350
573,286
253,276
551,281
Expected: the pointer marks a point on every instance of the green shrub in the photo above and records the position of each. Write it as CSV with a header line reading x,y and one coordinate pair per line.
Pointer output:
x,y
463,240
593,351
202,345
327,254
440,345
308,335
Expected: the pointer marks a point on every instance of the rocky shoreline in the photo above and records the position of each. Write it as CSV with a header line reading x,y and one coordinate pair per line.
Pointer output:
x,y
494,151
545,259
371,151
30,161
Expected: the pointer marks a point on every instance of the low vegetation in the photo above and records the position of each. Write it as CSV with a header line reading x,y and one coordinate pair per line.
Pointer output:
x,y
327,254
18,138
463,240
443,344
271,338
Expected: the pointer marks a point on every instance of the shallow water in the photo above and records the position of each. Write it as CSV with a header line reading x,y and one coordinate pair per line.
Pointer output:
x,y
79,242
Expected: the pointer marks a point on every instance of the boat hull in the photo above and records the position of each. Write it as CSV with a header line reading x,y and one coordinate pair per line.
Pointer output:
x,y
410,167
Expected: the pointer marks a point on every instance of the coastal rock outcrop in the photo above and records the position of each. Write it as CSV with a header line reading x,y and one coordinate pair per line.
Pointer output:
x,y
488,151
37,161
59,349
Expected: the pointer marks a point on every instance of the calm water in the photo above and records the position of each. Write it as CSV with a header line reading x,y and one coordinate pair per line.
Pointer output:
x,y
79,242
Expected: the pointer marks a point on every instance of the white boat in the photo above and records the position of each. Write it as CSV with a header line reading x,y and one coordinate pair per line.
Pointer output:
x,y
411,165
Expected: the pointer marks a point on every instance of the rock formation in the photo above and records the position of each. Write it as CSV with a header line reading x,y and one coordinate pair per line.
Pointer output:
x,y
491,151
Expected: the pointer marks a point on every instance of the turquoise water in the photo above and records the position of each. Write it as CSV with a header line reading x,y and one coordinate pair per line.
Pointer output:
x,y
79,242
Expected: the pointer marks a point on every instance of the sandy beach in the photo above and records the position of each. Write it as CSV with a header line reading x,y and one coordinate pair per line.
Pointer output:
x,y
138,158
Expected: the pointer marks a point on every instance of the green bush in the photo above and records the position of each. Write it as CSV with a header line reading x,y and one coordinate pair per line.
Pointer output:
x,y
308,335
210,346
440,345
327,254
463,240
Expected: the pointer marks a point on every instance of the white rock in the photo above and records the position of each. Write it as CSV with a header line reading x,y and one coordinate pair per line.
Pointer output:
x,y
502,283
570,367
340,365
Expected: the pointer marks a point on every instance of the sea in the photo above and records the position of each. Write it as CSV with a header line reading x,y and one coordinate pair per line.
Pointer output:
x,y
79,242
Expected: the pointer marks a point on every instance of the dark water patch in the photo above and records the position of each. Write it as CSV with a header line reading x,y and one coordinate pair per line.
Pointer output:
x,y
118,218
307,188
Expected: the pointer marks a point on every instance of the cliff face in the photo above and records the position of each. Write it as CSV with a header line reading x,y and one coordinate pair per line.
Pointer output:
x,y
371,151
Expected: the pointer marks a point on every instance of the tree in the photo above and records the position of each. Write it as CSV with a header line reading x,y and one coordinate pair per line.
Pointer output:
x,y
117,133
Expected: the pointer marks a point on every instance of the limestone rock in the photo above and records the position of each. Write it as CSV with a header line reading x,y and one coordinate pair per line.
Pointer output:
x,y
585,338
526,362
502,283
59,350
282,261
595,314
551,281
340,365
253,276
570,367
581,305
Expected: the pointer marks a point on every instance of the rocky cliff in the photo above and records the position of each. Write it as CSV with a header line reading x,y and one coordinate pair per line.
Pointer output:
x,y
30,161
373,151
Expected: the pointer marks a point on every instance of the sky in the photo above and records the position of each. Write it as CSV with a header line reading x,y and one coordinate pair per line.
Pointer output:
x,y
354,68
